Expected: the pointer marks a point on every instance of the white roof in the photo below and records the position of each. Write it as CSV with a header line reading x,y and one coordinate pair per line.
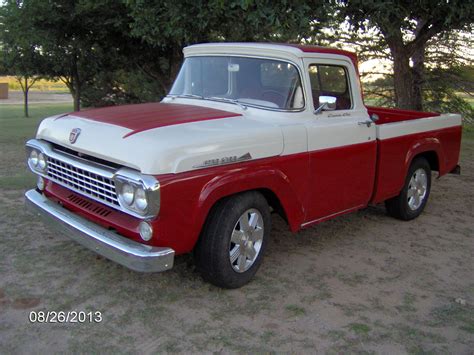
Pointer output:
x,y
284,51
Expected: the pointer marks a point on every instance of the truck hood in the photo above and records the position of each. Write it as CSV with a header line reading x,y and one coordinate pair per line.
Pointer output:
x,y
161,138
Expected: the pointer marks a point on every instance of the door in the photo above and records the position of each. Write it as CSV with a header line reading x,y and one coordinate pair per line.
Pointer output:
x,y
341,142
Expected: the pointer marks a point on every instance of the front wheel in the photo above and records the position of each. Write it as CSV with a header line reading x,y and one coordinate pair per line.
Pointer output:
x,y
413,198
233,240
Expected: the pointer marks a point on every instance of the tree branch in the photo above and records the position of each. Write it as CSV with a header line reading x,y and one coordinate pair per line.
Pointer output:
x,y
20,81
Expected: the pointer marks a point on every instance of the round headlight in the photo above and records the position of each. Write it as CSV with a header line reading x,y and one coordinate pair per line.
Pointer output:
x,y
128,193
146,230
140,199
41,161
34,158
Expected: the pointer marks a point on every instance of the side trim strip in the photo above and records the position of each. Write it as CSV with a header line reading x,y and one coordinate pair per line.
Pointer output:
x,y
322,219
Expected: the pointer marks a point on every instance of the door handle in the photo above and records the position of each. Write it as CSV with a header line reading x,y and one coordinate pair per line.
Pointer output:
x,y
367,123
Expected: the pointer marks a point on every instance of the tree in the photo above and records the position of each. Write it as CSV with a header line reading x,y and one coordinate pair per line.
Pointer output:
x,y
81,39
111,52
22,63
20,56
407,27
166,27
77,40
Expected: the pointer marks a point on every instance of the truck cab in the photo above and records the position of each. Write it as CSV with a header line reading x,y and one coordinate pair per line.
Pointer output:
x,y
247,129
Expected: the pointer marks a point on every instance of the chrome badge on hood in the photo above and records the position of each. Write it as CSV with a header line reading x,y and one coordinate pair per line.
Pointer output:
x,y
224,160
75,132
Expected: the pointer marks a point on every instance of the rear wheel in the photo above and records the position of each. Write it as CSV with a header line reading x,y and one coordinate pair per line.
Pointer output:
x,y
233,241
413,198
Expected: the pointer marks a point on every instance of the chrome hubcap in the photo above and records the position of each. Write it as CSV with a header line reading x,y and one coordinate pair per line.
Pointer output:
x,y
417,189
246,240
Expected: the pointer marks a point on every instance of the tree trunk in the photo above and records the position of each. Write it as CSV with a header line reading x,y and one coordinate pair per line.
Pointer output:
x,y
402,78
418,59
75,90
77,97
72,89
77,85
25,97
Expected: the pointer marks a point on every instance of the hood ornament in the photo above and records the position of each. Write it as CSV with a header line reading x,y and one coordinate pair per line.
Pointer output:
x,y
75,132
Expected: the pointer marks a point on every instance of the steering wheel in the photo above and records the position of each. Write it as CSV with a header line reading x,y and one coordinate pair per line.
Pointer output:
x,y
275,97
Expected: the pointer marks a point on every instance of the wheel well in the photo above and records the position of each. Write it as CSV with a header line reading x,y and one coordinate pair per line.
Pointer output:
x,y
432,159
274,202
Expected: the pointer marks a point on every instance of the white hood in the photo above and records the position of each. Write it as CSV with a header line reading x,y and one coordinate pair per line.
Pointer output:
x,y
171,148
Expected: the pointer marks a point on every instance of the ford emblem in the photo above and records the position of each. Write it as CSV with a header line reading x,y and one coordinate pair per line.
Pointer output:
x,y
75,132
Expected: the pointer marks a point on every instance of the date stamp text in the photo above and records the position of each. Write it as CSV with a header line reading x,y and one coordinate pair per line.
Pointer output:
x,y
65,317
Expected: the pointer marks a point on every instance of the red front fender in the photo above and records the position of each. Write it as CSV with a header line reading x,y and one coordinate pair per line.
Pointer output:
x,y
187,198
248,179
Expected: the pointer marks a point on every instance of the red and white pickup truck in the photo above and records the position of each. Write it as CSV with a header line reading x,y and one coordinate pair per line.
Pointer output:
x,y
246,129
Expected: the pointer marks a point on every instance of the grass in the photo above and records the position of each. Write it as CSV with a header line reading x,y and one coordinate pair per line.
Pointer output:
x,y
468,133
454,313
14,126
352,279
359,328
295,310
15,130
408,303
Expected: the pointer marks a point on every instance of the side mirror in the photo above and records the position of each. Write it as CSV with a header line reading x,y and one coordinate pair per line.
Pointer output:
x,y
326,103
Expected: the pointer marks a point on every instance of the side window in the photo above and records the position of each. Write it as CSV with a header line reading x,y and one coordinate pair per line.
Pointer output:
x,y
330,80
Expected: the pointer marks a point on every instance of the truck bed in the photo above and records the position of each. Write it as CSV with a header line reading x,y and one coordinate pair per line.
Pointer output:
x,y
403,134
389,115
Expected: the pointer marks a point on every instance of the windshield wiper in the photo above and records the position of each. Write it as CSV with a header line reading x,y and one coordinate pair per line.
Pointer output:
x,y
187,96
225,99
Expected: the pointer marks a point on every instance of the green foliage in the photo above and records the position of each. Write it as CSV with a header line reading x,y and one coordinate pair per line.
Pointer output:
x,y
423,18
20,54
184,22
113,52
75,40
407,28
110,52
165,28
442,91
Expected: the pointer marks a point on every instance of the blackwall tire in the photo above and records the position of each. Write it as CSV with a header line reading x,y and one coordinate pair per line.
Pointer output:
x,y
233,241
413,198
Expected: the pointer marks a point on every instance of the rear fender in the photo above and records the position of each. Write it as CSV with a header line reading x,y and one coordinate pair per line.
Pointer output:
x,y
394,159
424,145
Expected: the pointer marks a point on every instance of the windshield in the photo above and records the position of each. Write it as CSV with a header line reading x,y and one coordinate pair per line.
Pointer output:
x,y
249,81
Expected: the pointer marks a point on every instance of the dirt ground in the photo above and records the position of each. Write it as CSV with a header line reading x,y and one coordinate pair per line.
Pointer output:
x,y
360,283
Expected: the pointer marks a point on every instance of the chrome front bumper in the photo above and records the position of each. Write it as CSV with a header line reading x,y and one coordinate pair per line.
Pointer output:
x,y
133,255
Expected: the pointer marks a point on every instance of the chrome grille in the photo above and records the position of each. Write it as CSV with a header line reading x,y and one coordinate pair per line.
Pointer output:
x,y
96,186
